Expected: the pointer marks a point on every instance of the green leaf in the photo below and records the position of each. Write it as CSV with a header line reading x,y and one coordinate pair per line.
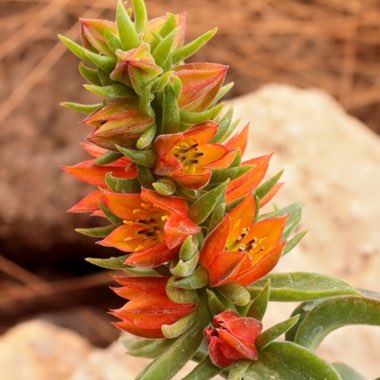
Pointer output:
x,y
197,280
200,117
190,194
169,25
214,303
238,369
101,61
170,111
295,213
189,248
147,137
235,293
258,306
191,48
145,176
290,244
218,214
224,123
146,97
122,185
331,313
267,186
185,268
205,370
180,295
112,40
269,335
107,158
162,51
288,361
110,215
180,352
97,232
110,263
223,91
181,326
301,286
165,186
91,75
346,372
84,108
220,175
145,158
141,15
147,348
237,159
128,36
203,207
230,130
113,91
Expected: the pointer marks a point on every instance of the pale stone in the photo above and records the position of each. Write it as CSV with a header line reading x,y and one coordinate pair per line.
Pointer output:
x,y
332,165
38,350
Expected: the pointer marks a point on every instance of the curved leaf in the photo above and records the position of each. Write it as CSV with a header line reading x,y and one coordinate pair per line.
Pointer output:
x,y
346,372
205,370
288,361
147,348
335,312
301,286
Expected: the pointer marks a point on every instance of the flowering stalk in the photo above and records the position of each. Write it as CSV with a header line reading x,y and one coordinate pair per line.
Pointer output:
x,y
186,212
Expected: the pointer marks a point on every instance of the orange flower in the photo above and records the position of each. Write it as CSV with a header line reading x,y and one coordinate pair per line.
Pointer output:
x,y
201,83
232,339
242,185
149,307
241,251
93,174
153,226
188,157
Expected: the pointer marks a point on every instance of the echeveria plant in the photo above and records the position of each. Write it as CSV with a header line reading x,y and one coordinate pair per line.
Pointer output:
x,y
185,210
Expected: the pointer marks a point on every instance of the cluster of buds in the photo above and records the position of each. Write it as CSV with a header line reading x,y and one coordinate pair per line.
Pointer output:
x,y
181,205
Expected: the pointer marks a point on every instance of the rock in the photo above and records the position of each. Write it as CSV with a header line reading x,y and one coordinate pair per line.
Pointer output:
x,y
332,165
38,350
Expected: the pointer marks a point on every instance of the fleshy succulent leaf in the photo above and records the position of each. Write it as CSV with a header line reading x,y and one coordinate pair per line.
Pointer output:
x,y
147,348
122,185
203,207
110,263
112,91
83,108
179,327
346,372
128,35
290,244
91,75
170,112
301,286
239,369
97,232
289,361
145,158
107,158
200,117
192,47
268,336
258,306
204,370
331,313
141,16
235,293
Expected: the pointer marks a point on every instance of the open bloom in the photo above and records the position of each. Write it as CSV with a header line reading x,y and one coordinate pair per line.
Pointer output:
x,y
153,226
239,250
201,83
149,307
188,157
119,122
232,338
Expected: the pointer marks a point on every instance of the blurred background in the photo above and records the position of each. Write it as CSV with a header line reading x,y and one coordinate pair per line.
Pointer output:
x,y
333,45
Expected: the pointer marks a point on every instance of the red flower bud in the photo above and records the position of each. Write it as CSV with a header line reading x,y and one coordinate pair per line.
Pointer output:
x,y
232,338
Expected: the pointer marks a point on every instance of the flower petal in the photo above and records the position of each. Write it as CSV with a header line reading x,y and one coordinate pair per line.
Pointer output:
x,y
152,257
193,181
177,228
261,268
243,184
216,354
239,141
133,287
215,242
123,205
89,203
130,327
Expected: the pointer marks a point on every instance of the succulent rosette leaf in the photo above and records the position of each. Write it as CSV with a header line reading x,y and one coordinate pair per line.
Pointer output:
x,y
186,213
